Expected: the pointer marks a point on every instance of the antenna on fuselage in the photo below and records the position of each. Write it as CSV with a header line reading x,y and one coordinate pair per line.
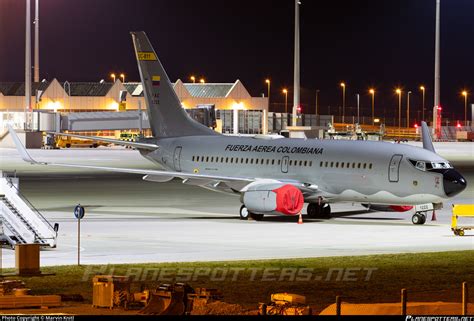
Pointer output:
x,y
426,137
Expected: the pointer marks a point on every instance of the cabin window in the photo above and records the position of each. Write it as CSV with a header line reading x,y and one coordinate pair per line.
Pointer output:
x,y
279,162
301,163
207,158
370,166
365,165
251,161
273,162
337,164
353,165
332,164
358,165
310,163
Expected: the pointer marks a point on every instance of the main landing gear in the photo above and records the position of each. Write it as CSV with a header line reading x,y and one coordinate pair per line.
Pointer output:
x,y
419,218
245,214
319,210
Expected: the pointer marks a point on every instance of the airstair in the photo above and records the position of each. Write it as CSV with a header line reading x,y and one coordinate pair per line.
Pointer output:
x,y
20,221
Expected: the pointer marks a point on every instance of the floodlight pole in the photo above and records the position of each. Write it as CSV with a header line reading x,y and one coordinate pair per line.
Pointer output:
x,y
36,67
436,124
296,81
27,63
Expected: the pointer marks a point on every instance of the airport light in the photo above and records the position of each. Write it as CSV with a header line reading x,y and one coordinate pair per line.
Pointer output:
x,y
372,92
408,109
464,93
193,79
399,93
285,91
422,88
202,81
268,95
112,75
123,77
343,85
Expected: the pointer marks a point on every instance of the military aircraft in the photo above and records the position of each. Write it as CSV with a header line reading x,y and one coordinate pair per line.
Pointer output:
x,y
276,176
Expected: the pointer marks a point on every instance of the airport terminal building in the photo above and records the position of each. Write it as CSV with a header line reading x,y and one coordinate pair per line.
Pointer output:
x,y
103,96
90,101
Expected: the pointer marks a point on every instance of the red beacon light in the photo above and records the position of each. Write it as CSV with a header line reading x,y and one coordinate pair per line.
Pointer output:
x,y
458,125
416,126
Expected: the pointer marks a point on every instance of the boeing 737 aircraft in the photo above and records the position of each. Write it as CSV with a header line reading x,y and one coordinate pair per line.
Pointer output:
x,y
276,176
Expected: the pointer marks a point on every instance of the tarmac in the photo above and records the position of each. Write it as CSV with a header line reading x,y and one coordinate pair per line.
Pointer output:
x,y
129,220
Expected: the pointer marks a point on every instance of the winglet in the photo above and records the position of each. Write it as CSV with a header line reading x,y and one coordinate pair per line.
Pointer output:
x,y
426,137
19,146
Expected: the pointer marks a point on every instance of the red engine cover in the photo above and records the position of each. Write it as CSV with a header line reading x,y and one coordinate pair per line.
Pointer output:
x,y
400,208
289,200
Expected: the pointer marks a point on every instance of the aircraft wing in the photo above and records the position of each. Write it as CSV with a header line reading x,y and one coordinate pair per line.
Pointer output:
x,y
110,140
237,184
27,158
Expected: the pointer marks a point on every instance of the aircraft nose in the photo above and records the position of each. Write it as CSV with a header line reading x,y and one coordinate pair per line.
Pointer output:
x,y
453,182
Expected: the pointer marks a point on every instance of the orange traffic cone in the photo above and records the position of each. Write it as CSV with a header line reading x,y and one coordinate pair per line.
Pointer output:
x,y
300,219
433,218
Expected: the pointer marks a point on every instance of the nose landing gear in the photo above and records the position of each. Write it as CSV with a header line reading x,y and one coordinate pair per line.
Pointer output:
x,y
419,218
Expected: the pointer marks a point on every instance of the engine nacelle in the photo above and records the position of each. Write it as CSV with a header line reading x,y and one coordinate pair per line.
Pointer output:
x,y
273,198
388,208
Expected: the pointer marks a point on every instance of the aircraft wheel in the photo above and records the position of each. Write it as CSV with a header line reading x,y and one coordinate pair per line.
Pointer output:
x,y
313,210
418,218
461,233
244,213
256,217
423,218
326,210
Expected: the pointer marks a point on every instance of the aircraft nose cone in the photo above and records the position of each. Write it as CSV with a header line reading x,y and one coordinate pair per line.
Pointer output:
x,y
453,182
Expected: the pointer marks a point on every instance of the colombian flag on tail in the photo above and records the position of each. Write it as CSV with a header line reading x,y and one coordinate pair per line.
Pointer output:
x,y
155,81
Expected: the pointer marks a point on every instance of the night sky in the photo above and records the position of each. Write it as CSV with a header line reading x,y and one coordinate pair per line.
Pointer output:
x,y
365,43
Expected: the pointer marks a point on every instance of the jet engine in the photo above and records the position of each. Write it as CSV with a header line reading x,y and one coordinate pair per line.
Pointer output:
x,y
273,198
388,208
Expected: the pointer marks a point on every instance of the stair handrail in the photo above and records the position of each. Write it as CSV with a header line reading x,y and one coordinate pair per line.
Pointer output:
x,y
33,208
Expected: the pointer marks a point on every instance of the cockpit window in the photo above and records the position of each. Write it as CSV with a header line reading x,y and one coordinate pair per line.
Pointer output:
x,y
427,166
421,166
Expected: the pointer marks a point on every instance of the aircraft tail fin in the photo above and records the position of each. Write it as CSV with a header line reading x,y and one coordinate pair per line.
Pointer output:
x,y
426,137
167,117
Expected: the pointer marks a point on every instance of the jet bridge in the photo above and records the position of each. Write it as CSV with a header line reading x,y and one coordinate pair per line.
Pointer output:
x,y
20,221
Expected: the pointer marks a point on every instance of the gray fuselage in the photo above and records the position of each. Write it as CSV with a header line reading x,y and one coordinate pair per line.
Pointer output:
x,y
347,171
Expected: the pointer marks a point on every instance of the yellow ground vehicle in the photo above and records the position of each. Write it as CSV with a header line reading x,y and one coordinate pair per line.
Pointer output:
x,y
464,210
67,142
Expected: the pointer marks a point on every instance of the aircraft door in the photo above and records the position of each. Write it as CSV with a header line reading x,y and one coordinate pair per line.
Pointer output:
x,y
393,170
176,158
284,164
